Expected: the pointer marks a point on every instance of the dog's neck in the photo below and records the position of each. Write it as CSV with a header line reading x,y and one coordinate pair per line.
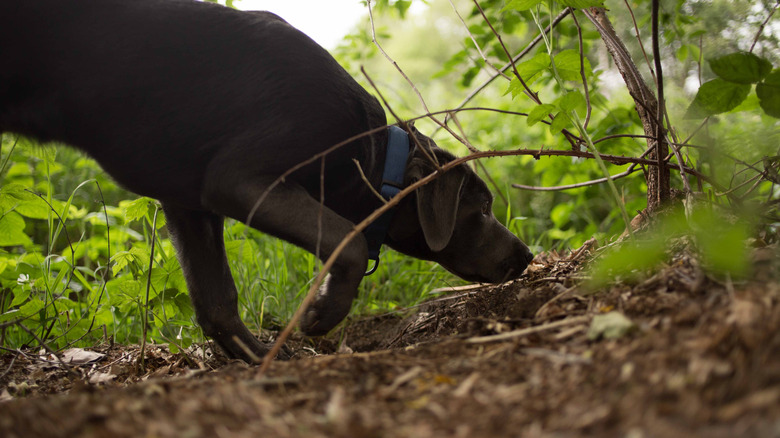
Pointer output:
x,y
392,182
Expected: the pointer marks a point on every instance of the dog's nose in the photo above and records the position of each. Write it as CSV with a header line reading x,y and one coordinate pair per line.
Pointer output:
x,y
529,256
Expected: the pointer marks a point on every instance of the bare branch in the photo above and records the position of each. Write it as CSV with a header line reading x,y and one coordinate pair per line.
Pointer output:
x,y
594,182
582,72
763,25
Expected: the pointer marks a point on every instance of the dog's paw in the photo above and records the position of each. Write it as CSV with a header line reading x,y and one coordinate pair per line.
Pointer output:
x,y
327,310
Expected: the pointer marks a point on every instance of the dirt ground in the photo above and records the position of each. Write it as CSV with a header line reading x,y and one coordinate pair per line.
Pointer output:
x,y
681,354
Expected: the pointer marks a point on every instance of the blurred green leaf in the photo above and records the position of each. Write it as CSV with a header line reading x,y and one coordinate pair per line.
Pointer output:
x,y
12,230
717,96
538,113
567,64
768,93
741,67
521,5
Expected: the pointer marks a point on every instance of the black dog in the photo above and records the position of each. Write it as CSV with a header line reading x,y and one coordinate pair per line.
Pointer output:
x,y
204,107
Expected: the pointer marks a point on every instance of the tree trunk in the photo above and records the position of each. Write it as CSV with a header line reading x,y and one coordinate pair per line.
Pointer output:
x,y
658,190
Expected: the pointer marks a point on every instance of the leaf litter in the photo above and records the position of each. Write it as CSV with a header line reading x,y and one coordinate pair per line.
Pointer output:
x,y
672,353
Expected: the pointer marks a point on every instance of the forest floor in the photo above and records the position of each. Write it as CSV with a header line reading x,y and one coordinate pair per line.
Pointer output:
x,y
681,354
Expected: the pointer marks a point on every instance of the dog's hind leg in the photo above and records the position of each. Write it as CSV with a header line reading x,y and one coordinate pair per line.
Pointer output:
x,y
290,213
197,236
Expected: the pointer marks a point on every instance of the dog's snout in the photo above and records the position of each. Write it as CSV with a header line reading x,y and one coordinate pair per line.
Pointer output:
x,y
529,256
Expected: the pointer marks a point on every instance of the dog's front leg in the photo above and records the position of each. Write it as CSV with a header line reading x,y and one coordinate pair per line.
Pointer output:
x,y
290,213
197,236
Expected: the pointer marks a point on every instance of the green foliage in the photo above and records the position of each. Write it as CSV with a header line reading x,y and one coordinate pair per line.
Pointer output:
x,y
768,92
736,72
721,242
524,5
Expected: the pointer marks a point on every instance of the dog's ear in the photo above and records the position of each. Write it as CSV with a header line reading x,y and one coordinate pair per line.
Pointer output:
x,y
437,205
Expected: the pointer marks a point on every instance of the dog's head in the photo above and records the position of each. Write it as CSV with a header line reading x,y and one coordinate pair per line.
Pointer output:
x,y
450,221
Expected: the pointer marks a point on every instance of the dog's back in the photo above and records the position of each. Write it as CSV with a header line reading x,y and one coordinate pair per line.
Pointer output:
x,y
166,85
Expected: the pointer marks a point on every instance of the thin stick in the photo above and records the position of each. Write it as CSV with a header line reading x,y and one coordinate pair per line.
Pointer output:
x,y
526,88
499,72
145,319
588,107
761,28
575,185
528,331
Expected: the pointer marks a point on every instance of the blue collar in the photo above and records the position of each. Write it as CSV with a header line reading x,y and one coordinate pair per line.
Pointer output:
x,y
392,183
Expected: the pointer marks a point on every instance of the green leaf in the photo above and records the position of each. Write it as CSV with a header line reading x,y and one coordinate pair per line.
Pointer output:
x,y
768,93
715,97
561,214
121,260
32,307
572,101
728,253
137,209
521,5
688,51
627,260
538,113
749,104
581,4
20,296
124,289
515,87
16,197
12,230
531,68
741,67
567,63
9,315
561,122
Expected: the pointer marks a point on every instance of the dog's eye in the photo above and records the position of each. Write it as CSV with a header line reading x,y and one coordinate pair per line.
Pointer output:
x,y
486,209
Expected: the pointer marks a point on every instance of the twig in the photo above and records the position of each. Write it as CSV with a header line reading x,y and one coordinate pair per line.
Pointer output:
x,y
582,72
479,49
761,27
391,60
409,81
660,141
10,366
10,153
367,182
556,356
528,331
145,319
534,97
576,185
639,40
46,347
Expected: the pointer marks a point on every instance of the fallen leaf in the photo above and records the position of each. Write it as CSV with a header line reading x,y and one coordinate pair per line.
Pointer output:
x,y
610,325
79,356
